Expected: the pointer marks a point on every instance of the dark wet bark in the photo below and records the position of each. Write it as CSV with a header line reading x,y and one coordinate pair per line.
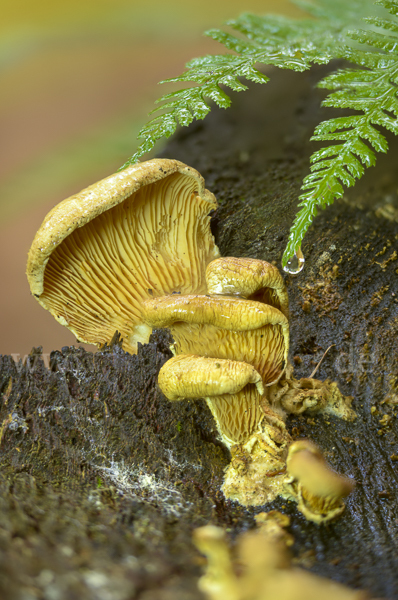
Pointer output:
x,y
102,480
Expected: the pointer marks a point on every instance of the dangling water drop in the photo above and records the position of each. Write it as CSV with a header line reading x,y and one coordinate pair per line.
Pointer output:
x,y
295,264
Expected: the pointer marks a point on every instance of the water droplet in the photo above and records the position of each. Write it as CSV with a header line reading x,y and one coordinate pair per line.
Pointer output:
x,y
295,264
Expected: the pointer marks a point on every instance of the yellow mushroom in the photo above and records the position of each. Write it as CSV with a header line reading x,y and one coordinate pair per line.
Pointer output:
x,y
229,313
231,388
261,281
319,490
237,337
140,233
190,376
130,253
260,568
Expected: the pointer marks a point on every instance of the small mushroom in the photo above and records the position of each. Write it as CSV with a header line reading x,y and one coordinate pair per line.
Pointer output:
x,y
140,233
260,568
250,278
319,490
190,376
231,389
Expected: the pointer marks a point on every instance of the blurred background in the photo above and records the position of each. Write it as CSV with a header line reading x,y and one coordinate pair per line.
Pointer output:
x,y
77,81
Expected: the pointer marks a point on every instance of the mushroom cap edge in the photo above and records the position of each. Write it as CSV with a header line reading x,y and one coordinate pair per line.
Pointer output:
x,y
83,207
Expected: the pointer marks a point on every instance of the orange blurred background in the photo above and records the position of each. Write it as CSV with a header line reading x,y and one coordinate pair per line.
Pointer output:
x,y
77,81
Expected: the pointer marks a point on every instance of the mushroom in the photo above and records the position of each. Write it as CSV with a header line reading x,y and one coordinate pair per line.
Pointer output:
x,y
319,490
260,568
230,345
142,232
249,278
130,253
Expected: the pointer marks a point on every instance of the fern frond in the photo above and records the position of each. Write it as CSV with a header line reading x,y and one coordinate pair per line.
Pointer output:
x,y
183,106
344,10
270,40
370,88
374,92
377,40
382,23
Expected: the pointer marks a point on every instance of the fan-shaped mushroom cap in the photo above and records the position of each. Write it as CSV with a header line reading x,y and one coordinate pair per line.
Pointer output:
x,y
190,376
139,233
233,314
249,277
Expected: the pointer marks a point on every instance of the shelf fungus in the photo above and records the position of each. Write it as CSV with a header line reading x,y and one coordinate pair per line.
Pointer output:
x,y
135,251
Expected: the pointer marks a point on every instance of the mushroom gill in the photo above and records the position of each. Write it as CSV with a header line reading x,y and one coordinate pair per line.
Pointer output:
x,y
224,327
264,348
140,233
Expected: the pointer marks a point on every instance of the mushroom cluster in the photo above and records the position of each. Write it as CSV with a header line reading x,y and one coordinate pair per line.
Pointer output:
x,y
227,345
135,252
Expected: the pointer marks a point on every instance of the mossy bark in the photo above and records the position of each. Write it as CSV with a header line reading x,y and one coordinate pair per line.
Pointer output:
x,y
103,480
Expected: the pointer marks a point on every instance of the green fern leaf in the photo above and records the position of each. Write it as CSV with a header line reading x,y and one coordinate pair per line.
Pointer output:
x,y
377,40
231,42
373,92
270,40
382,23
390,5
